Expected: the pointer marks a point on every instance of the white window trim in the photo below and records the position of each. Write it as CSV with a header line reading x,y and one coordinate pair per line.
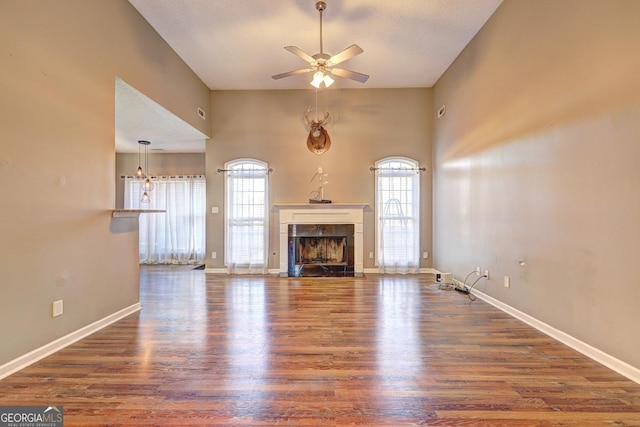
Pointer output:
x,y
413,265
229,166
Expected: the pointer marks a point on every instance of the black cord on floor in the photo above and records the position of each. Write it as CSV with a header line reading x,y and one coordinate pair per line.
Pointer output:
x,y
471,296
464,290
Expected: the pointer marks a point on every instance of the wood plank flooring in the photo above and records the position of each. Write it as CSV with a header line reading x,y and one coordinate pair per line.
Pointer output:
x,y
376,351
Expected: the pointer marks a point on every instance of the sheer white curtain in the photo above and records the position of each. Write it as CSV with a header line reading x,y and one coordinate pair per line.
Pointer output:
x,y
177,236
247,217
398,216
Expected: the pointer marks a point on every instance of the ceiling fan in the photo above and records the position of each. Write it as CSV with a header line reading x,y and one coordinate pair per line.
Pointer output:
x,y
324,64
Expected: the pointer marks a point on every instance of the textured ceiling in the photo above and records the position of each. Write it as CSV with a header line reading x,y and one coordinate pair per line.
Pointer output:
x,y
239,45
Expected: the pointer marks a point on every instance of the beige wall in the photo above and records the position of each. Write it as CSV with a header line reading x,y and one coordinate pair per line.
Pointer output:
x,y
58,65
159,164
536,160
366,125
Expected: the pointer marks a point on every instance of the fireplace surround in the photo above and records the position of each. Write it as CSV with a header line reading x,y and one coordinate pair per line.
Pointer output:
x,y
324,231
320,250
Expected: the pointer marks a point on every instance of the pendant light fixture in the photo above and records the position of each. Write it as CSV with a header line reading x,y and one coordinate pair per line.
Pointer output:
x,y
139,172
147,184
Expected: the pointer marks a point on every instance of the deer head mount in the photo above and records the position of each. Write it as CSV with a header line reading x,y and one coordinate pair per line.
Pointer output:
x,y
318,140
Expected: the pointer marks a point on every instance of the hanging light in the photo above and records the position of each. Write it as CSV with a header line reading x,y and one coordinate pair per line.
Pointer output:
x,y
319,77
145,199
147,184
140,172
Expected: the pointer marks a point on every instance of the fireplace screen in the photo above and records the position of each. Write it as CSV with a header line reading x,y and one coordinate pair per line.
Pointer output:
x,y
321,250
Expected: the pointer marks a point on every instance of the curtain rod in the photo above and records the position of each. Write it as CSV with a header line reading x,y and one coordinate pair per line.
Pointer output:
x,y
163,176
422,169
268,171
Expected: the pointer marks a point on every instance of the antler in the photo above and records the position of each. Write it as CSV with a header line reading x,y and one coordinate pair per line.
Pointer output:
x,y
306,115
314,123
321,122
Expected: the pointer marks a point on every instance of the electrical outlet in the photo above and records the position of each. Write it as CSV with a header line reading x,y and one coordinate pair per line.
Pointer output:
x,y
486,274
57,308
478,271
370,255
425,255
214,255
507,282
214,210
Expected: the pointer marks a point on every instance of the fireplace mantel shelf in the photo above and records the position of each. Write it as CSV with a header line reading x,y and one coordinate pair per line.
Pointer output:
x,y
321,205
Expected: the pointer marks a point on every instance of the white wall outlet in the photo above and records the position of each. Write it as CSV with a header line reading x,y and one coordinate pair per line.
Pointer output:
x,y
214,255
507,282
320,169
57,308
486,274
425,255
215,210
370,255
478,271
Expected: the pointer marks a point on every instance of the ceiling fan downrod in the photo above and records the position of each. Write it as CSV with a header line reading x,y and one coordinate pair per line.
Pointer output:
x,y
320,7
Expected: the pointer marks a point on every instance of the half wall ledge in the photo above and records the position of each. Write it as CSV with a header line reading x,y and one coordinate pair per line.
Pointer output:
x,y
132,213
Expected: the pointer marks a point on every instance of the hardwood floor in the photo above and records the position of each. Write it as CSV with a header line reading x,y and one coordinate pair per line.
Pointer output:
x,y
375,351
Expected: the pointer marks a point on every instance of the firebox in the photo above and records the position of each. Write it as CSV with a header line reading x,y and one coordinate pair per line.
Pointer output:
x,y
321,250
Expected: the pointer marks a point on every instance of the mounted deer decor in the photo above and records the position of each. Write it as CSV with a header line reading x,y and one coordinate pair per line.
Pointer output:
x,y
318,140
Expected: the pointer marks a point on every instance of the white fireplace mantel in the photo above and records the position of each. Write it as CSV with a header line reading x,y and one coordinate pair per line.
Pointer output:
x,y
322,213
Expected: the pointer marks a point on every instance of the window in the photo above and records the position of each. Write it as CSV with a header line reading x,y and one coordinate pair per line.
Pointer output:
x,y
246,216
398,215
177,236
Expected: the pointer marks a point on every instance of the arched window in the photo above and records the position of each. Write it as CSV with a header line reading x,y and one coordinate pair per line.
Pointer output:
x,y
246,216
398,215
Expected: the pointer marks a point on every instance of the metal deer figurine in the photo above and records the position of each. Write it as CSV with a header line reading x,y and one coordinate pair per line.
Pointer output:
x,y
318,140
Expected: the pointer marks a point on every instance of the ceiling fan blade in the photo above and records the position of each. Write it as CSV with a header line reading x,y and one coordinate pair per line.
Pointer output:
x,y
345,54
292,73
301,53
359,77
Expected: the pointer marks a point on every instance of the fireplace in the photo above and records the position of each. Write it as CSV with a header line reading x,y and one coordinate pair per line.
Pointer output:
x,y
321,239
319,250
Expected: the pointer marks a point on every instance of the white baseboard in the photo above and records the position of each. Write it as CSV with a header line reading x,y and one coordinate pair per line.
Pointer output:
x,y
216,270
223,270
276,271
591,352
375,270
48,349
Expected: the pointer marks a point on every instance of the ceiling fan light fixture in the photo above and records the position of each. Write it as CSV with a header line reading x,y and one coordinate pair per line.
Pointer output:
x,y
319,77
328,81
